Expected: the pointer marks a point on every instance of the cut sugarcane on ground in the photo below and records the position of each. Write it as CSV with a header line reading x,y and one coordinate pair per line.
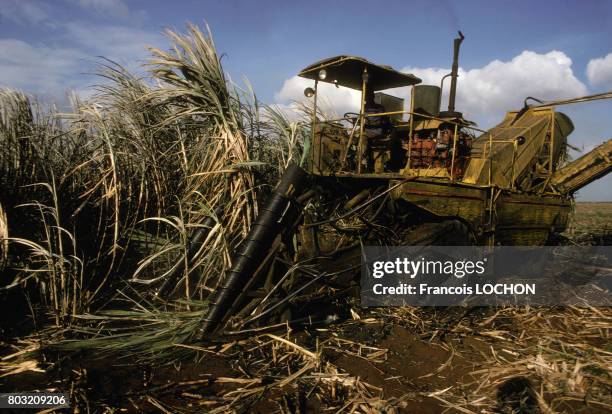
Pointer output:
x,y
101,204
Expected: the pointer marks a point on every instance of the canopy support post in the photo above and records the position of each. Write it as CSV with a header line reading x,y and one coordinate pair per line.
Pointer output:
x,y
313,132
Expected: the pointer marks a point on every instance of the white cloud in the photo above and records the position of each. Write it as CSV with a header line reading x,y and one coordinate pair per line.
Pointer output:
x,y
50,70
22,12
46,71
484,94
120,43
65,59
599,71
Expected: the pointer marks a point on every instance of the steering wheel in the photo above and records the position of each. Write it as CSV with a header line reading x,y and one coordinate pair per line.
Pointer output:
x,y
351,117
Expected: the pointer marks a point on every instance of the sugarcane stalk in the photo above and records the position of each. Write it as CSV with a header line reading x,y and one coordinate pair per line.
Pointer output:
x,y
195,243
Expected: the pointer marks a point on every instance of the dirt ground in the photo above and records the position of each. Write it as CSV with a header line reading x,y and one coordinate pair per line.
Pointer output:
x,y
592,220
407,360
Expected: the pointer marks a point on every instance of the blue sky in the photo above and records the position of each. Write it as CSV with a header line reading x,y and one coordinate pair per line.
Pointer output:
x,y
548,49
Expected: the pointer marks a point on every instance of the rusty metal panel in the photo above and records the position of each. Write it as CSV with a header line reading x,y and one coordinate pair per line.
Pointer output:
x,y
445,200
523,143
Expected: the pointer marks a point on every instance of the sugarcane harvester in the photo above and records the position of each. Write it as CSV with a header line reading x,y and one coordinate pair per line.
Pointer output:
x,y
387,175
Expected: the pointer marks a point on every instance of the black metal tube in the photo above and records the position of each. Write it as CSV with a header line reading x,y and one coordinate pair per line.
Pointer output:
x,y
280,210
454,72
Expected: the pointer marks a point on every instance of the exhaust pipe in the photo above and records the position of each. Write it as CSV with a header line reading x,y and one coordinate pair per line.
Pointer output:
x,y
454,73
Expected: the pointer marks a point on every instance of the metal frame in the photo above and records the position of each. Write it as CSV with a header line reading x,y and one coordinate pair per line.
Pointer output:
x,y
360,122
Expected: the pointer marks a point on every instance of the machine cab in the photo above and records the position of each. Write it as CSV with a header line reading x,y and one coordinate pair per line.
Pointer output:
x,y
378,140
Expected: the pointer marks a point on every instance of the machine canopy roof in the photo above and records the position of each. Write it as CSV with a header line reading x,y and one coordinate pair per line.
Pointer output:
x,y
347,71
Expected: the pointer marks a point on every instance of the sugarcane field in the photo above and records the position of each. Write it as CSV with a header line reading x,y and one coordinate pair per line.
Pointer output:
x,y
340,207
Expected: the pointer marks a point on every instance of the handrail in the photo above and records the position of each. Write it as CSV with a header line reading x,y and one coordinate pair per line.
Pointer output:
x,y
401,113
487,151
452,168
360,121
